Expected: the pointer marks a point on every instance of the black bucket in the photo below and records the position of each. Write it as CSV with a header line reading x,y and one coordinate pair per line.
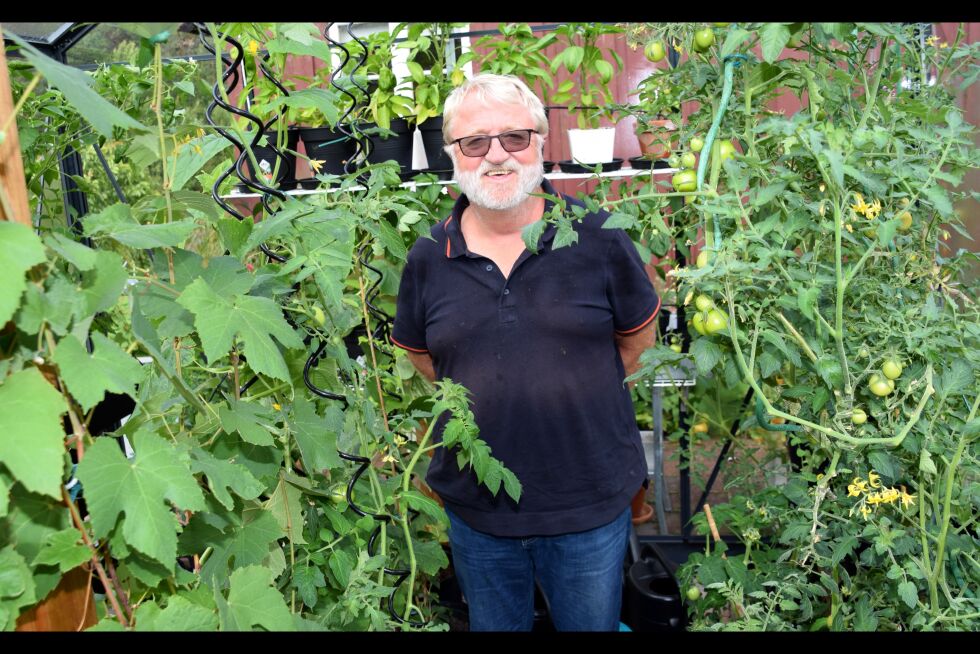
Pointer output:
x,y
433,142
396,148
332,147
286,175
652,601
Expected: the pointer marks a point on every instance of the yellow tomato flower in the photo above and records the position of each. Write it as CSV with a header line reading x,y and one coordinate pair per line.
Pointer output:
x,y
874,498
849,228
873,478
388,459
861,207
865,511
907,500
873,210
253,48
943,45
277,406
315,165
400,440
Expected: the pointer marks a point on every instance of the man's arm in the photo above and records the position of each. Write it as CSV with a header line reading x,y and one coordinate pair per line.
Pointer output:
x,y
423,363
633,345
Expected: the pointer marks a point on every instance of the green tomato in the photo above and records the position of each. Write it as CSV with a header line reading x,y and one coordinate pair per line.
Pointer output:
x,y
881,386
318,316
655,51
859,417
676,347
702,259
698,323
674,161
703,39
906,221
696,144
723,149
715,321
864,352
685,181
704,303
688,160
693,593
892,369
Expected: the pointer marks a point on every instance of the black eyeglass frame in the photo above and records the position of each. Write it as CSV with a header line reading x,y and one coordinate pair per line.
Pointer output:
x,y
489,141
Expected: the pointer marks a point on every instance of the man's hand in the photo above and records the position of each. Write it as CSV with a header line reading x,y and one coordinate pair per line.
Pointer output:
x,y
633,345
423,363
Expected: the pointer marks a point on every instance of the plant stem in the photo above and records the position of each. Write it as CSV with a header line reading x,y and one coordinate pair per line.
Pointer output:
x,y
797,336
370,339
110,594
839,316
20,102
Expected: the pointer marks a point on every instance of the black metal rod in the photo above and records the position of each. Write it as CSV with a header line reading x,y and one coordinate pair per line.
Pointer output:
x,y
724,450
108,172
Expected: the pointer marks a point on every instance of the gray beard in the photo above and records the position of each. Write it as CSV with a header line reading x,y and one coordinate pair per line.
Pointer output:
x,y
528,180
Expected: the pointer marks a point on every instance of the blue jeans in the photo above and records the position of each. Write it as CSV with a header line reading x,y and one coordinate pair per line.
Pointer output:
x,y
581,576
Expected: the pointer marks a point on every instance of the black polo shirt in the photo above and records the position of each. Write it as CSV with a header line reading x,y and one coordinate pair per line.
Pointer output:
x,y
538,354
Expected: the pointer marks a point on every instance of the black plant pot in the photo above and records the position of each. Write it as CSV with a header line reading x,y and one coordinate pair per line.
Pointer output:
x,y
432,140
652,598
332,147
286,175
396,148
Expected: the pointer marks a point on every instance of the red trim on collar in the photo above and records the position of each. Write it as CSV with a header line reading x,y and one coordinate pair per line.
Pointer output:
x,y
444,226
643,324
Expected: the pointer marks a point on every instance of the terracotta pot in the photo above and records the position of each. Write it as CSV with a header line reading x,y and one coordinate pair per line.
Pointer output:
x,y
641,511
659,141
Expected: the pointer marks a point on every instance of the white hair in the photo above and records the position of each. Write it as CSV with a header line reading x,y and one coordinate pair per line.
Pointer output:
x,y
501,88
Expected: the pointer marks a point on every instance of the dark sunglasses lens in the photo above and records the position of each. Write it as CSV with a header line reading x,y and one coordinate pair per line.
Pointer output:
x,y
515,141
475,146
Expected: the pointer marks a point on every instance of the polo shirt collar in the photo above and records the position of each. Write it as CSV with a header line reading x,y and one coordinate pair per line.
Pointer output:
x,y
456,244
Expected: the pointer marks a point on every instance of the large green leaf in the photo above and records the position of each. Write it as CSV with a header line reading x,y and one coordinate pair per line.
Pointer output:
x,y
316,436
55,306
247,540
77,87
306,579
102,286
88,377
181,614
256,319
21,251
192,156
63,549
246,418
142,489
16,587
285,506
117,222
774,37
30,522
30,423
253,602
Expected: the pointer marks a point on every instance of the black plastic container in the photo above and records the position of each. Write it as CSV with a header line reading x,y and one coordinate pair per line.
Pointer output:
x,y
652,599
396,148
332,147
286,175
433,143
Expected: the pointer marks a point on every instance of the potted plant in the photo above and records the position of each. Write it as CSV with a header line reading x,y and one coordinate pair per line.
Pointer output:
x,y
389,108
588,94
433,79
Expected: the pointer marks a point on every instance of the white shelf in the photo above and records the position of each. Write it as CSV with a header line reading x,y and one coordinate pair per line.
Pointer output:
x,y
622,173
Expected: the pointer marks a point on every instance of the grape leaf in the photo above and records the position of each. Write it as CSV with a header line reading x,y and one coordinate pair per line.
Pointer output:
x,y
257,320
21,251
102,285
16,587
246,541
245,417
63,549
139,488
88,378
180,615
253,601
192,156
31,446
78,255
222,475
316,436
55,306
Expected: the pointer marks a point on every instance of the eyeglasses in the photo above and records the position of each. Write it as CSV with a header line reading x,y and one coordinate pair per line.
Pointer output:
x,y
512,141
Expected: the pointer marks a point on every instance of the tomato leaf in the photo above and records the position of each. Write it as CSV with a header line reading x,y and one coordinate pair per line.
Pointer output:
x,y
774,37
706,354
909,593
531,234
306,579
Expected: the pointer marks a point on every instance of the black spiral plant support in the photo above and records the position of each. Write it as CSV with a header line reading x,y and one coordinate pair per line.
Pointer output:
x,y
383,320
268,193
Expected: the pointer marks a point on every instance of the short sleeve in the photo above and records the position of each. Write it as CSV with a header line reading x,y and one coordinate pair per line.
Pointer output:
x,y
634,302
408,331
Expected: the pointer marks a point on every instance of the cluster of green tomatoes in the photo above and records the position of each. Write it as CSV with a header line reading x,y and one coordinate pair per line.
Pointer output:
x,y
881,384
709,319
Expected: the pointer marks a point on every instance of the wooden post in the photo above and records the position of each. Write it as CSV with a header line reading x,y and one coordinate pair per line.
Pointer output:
x,y
12,182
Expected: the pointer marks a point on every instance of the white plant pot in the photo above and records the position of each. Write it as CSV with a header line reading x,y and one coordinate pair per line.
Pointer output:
x,y
592,146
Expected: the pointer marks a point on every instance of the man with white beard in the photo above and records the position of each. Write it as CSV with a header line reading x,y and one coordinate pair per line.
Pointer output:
x,y
543,342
